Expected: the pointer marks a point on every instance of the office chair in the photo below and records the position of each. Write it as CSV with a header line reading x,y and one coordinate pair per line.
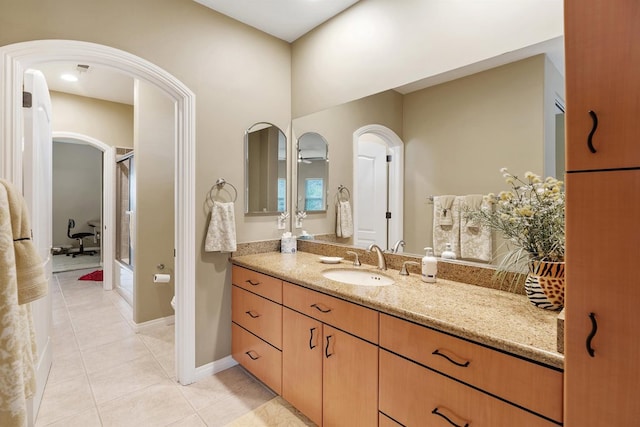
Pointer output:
x,y
80,238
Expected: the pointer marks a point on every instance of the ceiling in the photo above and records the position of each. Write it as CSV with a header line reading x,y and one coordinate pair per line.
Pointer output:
x,y
285,19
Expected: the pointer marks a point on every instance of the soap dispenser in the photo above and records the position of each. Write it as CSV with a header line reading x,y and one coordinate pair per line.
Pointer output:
x,y
448,252
429,266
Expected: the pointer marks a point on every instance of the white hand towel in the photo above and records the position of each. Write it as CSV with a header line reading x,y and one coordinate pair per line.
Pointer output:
x,y
221,234
475,241
447,231
445,214
344,219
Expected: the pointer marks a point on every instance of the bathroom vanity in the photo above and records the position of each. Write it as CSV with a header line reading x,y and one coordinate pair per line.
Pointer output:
x,y
410,353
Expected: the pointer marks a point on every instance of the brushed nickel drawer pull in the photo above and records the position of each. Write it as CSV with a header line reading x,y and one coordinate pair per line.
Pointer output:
x,y
462,365
251,283
440,414
317,307
252,315
249,353
594,329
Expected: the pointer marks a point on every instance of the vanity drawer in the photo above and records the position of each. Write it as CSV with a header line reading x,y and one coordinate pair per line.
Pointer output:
x,y
516,380
257,357
258,315
261,284
349,317
416,396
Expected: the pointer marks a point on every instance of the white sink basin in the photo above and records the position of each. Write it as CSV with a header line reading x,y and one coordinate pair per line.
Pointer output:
x,y
353,276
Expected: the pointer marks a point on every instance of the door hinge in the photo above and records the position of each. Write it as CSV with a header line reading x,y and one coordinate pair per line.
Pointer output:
x,y
27,99
174,253
388,158
388,215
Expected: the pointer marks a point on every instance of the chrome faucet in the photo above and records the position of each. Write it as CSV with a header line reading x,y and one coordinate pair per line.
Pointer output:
x,y
382,264
397,246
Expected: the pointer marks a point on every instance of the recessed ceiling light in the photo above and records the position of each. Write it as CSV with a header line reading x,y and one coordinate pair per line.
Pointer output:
x,y
69,77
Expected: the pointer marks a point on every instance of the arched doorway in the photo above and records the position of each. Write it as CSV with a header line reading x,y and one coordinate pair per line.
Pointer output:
x,y
16,58
380,185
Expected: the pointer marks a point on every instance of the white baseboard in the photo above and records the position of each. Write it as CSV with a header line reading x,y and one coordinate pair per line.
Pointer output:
x,y
169,320
214,367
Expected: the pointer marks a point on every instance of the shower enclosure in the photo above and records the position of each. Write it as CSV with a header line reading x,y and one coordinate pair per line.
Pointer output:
x,y
125,223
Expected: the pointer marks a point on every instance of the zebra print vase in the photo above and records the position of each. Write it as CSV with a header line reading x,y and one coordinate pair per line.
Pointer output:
x,y
544,284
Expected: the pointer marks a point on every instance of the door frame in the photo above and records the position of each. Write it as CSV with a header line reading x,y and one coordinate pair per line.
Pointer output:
x,y
396,176
108,198
16,58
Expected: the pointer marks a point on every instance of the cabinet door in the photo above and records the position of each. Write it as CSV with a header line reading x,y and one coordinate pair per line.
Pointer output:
x,y
350,380
603,234
602,57
302,364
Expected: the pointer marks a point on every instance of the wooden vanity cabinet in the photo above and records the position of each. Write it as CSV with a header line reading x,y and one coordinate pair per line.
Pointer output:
x,y
602,60
431,369
256,329
328,374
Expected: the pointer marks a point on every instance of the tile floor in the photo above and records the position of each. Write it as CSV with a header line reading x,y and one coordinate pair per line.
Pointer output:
x,y
104,374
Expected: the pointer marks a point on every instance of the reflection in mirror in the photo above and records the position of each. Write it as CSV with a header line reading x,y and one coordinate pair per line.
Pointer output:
x,y
457,135
265,169
313,173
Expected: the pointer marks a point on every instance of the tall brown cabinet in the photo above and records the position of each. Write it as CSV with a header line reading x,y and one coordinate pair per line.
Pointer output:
x,y
602,344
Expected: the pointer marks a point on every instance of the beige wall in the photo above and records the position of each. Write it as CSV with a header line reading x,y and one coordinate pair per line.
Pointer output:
x,y
239,76
380,44
108,122
154,211
337,126
459,134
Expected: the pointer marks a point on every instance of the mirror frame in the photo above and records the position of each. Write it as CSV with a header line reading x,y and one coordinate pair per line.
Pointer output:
x,y
326,175
247,212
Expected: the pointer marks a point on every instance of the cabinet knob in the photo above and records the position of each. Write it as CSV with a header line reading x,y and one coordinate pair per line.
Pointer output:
x,y
252,355
464,364
594,118
326,349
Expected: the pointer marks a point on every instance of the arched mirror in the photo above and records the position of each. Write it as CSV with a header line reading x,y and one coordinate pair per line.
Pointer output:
x,y
313,173
265,169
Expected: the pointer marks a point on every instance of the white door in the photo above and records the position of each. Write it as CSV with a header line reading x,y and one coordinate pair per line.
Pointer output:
x,y
371,197
37,180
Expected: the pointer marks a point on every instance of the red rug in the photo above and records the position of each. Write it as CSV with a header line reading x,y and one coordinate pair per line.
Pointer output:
x,y
94,275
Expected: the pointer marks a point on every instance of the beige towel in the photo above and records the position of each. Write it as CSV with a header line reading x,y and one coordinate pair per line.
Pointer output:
x,y
447,231
445,211
32,282
344,219
17,338
221,235
475,241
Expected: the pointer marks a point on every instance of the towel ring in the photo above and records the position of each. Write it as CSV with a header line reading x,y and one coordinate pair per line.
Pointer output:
x,y
219,185
341,190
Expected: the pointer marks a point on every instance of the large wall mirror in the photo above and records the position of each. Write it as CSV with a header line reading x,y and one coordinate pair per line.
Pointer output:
x,y
265,169
456,136
312,173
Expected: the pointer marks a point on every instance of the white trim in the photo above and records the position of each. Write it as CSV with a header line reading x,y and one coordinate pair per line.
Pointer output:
x,y
16,58
396,177
162,321
214,367
108,201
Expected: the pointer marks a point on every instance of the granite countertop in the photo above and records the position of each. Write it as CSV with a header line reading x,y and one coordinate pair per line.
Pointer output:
x,y
498,319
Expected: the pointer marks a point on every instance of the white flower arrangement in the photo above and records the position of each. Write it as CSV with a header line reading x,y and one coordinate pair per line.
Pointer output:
x,y
530,216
